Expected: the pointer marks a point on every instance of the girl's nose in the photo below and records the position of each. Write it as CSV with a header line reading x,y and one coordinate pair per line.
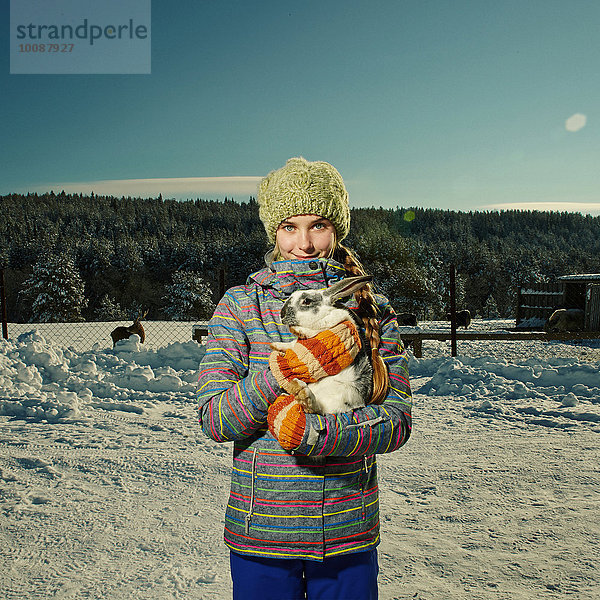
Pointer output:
x,y
305,241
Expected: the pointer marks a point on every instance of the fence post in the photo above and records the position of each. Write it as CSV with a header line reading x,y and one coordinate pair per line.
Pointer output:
x,y
3,302
452,310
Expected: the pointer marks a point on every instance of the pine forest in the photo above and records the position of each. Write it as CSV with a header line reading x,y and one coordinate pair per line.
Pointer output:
x,y
74,257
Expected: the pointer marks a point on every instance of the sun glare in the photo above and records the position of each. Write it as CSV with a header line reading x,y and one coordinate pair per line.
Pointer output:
x,y
575,122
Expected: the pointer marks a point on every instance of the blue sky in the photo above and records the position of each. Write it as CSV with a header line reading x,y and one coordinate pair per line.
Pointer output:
x,y
453,104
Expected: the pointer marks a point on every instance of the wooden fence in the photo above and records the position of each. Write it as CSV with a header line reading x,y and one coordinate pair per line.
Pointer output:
x,y
416,339
538,301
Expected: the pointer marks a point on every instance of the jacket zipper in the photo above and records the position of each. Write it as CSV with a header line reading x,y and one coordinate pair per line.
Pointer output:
x,y
251,509
363,483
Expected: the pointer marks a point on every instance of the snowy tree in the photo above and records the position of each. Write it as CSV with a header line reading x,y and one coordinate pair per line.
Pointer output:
x,y
110,310
490,308
127,256
55,290
189,297
437,281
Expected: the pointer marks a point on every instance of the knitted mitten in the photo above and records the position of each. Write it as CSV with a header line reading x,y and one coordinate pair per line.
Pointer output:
x,y
311,359
287,421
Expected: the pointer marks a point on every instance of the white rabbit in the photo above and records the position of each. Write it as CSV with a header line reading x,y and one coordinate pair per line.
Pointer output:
x,y
307,313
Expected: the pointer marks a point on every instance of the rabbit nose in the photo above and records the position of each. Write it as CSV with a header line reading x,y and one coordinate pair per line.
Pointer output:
x,y
287,314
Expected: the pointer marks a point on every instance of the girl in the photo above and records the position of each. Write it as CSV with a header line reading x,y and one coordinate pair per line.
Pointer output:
x,y
299,526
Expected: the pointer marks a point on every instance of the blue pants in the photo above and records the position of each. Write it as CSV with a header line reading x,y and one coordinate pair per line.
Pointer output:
x,y
345,577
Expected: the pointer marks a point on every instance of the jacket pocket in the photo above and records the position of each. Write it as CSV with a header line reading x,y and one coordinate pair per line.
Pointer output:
x,y
364,477
252,491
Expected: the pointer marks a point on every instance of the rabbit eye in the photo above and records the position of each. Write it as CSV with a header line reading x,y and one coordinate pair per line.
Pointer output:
x,y
306,301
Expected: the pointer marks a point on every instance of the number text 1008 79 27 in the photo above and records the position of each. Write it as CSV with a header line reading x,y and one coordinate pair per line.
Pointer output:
x,y
46,47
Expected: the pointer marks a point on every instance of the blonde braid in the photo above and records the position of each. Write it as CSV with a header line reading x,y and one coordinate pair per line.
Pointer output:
x,y
367,310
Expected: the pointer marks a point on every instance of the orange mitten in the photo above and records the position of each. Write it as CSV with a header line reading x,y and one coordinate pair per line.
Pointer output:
x,y
311,359
287,421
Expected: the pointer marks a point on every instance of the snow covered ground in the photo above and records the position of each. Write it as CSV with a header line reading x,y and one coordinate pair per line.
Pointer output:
x,y
108,488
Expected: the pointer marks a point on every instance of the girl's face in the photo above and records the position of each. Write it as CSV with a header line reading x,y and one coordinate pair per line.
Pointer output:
x,y
305,236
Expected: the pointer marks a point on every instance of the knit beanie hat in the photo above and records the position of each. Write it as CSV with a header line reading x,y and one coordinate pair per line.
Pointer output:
x,y
302,187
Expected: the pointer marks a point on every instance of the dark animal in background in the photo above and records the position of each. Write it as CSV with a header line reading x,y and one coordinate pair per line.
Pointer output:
x,y
123,333
407,319
463,318
565,319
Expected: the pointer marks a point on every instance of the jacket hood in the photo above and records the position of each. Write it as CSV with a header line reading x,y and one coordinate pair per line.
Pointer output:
x,y
283,277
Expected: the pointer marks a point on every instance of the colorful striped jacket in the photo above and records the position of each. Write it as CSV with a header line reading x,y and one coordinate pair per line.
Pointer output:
x,y
293,505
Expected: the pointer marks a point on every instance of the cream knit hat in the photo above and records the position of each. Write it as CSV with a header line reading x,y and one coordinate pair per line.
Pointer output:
x,y
301,187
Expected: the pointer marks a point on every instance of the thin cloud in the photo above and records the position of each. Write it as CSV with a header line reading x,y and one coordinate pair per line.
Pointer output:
x,y
591,208
174,187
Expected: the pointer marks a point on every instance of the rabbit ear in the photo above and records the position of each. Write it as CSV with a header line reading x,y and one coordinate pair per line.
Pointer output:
x,y
346,287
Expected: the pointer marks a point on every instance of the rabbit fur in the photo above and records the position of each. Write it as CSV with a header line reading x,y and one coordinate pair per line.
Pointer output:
x,y
308,312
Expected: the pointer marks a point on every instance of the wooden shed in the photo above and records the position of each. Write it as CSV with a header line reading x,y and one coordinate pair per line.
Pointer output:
x,y
583,291
537,301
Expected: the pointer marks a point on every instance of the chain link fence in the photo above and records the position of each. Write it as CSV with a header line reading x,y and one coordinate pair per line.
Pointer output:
x,y
84,336
481,336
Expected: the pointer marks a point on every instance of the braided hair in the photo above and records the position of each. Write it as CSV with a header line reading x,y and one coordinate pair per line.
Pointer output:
x,y
367,310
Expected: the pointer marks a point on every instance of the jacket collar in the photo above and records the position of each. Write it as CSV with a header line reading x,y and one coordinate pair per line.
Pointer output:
x,y
283,277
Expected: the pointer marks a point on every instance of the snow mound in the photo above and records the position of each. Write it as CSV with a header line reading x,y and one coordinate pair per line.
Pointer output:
x,y
46,382
42,381
494,387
